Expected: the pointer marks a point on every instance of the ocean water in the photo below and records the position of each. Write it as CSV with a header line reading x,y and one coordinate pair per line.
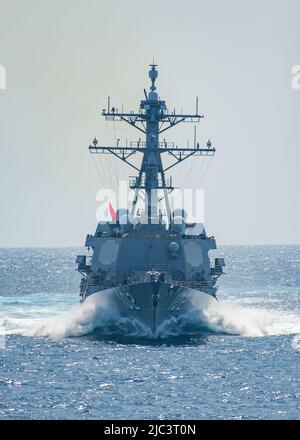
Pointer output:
x,y
64,360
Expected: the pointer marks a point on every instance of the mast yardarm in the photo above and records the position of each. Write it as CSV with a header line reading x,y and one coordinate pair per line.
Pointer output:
x,y
152,119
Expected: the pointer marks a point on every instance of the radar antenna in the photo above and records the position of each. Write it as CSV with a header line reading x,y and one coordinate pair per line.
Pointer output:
x,y
152,120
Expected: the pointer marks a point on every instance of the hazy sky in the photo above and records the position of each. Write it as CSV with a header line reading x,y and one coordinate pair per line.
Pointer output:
x,y
62,59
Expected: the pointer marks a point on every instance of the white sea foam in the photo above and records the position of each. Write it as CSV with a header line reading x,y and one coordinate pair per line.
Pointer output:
x,y
95,314
233,319
81,319
249,321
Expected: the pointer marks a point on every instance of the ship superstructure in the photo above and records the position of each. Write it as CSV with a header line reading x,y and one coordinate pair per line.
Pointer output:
x,y
151,265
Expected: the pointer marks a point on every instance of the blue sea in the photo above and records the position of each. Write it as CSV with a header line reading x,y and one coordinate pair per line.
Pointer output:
x,y
63,360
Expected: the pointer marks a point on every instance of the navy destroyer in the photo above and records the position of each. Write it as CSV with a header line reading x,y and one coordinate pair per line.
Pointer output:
x,y
151,265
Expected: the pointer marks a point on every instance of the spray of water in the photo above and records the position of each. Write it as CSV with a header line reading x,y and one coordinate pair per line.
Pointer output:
x,y
232,319
96,315
82,319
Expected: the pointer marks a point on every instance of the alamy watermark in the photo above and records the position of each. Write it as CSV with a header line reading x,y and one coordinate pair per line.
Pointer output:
x,y
2,78
187,203
295,77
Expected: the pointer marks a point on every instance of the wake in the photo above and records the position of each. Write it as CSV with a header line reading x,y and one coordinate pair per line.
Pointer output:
x,y
95,316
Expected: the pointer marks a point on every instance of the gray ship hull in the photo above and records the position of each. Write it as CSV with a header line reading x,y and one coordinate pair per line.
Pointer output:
x,y
154,303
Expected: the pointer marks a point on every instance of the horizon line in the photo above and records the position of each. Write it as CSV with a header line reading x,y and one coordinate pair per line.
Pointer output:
x,y
83,246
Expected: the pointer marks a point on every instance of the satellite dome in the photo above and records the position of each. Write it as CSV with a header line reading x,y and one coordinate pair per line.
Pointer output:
x,y
201,229
180,213
178,224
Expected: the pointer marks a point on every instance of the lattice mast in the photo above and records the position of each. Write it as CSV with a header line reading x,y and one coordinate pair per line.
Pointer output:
x,y
152,120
